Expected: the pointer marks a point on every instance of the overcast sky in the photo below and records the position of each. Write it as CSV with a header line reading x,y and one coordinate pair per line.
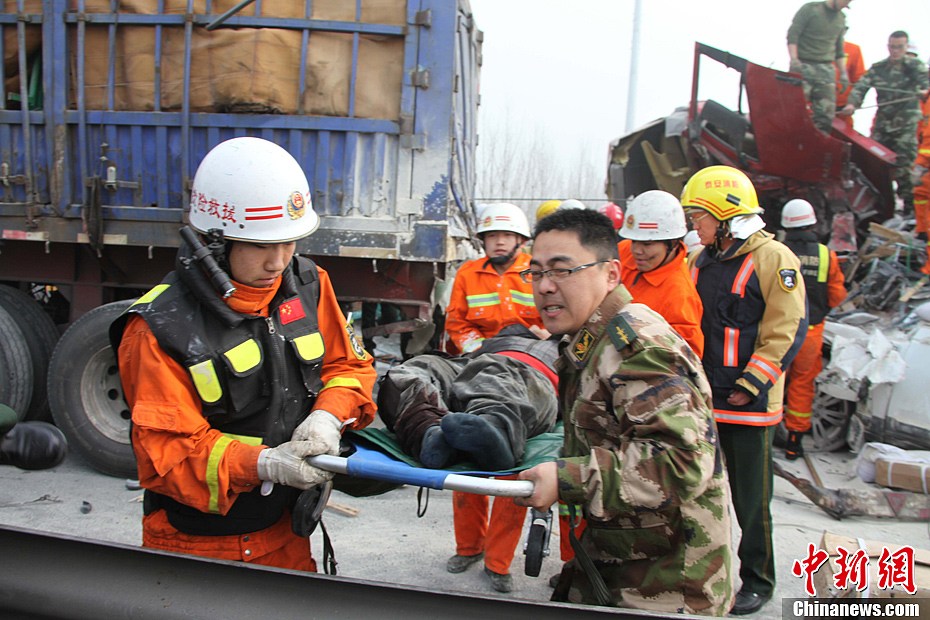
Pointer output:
x,y
562,66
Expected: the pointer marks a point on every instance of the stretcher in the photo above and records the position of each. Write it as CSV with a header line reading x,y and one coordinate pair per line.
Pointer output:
x,y
376,455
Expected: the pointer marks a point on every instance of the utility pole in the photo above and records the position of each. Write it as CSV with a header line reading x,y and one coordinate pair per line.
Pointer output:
x,y
634,67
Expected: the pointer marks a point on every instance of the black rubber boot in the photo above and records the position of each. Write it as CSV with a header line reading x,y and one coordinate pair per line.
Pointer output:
x,y
486,444
435,452
33,445
793,447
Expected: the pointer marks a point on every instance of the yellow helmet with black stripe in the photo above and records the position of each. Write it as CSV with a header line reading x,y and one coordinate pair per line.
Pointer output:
x,y
723,191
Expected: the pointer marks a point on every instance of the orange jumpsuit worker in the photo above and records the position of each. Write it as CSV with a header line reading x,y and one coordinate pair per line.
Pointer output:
x,y
921,180
855,68
826,289
229,395
488,295
654,263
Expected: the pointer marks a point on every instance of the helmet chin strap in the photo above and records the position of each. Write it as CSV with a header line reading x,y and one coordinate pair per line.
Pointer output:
x,y
723,232
505,259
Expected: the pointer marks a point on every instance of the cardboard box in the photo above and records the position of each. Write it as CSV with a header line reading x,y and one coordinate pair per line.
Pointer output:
x,y
823,578
906,475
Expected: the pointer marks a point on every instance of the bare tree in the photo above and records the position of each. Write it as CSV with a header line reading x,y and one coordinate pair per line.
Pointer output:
x,y
523,165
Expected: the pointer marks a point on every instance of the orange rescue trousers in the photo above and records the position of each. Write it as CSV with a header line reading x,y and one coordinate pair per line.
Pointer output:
x,y
497,537
276,545
800,381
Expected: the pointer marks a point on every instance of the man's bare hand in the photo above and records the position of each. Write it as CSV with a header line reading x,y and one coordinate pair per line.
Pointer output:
x,y
847,110
738,398
541,332
545,481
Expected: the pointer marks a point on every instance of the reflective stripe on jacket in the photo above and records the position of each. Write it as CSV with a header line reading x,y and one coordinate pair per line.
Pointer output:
x,y
754,322
483,302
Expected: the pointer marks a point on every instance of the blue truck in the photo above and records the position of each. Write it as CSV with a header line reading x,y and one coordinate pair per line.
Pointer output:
x,y
106,109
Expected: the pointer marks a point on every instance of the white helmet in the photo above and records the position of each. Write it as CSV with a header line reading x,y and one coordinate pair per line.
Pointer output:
x,y
797,213
571,203
693,241
253,191
504,217
654,216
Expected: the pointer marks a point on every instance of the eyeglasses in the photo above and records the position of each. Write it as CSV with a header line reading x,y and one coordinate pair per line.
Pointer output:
x,y
556,275
694,218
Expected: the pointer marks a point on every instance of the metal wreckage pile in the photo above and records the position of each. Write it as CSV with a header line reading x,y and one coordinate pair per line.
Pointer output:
x,y
872,396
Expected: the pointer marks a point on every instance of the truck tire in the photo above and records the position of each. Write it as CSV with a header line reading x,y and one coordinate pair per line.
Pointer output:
x,y
15,366
41,334
86,396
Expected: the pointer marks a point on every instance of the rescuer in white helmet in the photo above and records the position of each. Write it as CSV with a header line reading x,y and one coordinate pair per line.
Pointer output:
x,y
487,296
238,366
652,256
826,289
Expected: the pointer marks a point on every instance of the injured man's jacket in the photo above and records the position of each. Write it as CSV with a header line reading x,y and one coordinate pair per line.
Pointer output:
x,y
480,407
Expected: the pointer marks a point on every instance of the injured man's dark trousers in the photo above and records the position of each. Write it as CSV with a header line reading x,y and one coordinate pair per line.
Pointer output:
x,y
480,409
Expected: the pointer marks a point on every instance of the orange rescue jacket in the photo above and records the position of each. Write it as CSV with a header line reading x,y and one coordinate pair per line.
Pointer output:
x,y
483,302
668,290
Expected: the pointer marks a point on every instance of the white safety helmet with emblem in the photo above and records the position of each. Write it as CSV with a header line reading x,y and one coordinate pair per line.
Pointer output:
x,y
654,216
504,217
253,191
797,213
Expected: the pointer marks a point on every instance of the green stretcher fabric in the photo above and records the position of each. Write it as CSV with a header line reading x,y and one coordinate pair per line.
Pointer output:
x,y
539,449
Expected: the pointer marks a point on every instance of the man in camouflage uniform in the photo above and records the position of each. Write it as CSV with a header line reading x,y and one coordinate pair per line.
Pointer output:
x,y
815,48
640,453
899,82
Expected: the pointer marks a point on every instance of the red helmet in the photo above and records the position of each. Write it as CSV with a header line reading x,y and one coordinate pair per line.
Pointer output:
x,y
613,212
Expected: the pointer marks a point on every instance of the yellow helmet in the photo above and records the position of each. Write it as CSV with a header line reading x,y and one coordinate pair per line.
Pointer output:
x,y
547,208
722,191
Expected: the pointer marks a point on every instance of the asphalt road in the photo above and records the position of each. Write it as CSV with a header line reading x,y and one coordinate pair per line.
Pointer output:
x,y
381,539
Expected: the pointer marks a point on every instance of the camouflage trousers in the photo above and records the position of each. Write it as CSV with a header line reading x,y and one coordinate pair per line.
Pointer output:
x,y
820,92
903,141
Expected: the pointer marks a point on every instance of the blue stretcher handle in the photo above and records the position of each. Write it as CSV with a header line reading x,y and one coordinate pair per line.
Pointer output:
x,y
401,473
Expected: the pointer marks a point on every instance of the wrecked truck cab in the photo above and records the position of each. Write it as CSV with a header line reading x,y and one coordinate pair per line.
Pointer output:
x,y
769,134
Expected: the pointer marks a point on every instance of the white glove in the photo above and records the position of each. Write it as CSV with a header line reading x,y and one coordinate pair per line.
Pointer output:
x,y
917,174
321,431
287,465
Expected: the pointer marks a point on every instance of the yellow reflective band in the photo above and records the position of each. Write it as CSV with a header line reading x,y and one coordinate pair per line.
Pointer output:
x,y
343,382
479,301
213,464
310,347
244,356
523,299
797,414
206,381
152,294
246,439
824,266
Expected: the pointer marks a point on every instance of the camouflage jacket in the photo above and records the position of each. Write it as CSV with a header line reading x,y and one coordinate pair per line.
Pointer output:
x,y
641,457
894,81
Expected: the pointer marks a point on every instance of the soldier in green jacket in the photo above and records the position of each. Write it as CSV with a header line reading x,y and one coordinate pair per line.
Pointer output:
x,y
640,453
899,82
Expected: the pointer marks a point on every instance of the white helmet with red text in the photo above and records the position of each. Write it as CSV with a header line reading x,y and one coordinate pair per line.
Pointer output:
x,y
503,217
654,216
254,191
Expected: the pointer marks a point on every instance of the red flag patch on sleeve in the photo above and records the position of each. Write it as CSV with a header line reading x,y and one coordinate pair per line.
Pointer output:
x,y
291,311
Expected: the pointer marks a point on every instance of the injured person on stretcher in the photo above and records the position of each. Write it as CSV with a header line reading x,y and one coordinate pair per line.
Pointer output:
x,y
480,407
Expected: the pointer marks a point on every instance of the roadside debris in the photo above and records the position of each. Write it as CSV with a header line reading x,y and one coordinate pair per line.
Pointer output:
x,y
843,503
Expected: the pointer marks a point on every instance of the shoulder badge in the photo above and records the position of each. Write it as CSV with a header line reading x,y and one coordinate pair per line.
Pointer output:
x,y
620,332
356,345
583,345
788,279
